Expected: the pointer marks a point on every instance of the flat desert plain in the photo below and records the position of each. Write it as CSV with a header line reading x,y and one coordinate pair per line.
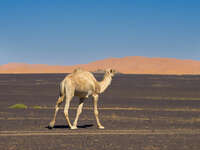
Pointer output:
x,y
139,112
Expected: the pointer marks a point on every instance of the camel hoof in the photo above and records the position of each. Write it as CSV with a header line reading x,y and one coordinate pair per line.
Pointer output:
x,y
73,128
101,127
51,125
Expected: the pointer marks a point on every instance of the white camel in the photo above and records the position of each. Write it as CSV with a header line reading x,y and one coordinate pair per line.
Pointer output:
x,y
82,84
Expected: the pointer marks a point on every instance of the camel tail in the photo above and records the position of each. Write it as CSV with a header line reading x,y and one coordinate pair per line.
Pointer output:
x,y
62,89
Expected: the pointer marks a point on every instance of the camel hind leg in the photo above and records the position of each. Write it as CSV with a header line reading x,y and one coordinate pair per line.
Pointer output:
x,y
69,96
58,103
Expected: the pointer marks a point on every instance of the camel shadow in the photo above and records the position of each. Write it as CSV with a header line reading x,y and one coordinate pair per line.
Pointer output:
x,y
67,127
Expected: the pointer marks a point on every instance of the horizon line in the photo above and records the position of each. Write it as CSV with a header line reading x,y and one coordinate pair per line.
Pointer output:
x,y
172,58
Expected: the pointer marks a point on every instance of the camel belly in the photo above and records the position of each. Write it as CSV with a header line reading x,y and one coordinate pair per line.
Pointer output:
x,y
83,94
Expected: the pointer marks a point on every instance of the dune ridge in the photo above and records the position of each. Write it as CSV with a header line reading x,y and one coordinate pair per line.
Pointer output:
x,y
126,65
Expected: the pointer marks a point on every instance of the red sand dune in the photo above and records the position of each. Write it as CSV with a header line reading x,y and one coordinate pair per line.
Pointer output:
x,y
127,65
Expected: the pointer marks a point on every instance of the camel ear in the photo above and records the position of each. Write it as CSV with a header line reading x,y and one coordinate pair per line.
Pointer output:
x,y
112,71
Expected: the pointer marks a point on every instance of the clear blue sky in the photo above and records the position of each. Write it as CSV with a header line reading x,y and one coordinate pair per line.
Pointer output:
x,y
63,32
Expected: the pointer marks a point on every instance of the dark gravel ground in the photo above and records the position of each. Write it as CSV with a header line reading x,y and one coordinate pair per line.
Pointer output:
x,y
139,112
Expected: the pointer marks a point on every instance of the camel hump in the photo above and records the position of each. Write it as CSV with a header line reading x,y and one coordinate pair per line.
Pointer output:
x,y
77,70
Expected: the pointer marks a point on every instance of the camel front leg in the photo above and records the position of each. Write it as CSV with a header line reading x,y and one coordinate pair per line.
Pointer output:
x,y
96,113
60,100
79,111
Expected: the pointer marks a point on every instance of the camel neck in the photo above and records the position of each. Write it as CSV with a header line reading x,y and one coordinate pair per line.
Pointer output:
x,y
105,82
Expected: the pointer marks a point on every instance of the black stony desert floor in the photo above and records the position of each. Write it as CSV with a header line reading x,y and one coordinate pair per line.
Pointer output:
x,y
139,112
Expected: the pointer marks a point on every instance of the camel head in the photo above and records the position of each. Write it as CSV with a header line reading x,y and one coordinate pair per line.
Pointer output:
x,y
110,72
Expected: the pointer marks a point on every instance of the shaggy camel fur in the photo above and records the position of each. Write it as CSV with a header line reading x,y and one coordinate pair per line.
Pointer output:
x,y
82,84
